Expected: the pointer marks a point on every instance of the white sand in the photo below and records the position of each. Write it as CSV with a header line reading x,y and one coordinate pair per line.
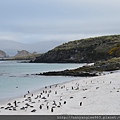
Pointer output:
x,y
99,96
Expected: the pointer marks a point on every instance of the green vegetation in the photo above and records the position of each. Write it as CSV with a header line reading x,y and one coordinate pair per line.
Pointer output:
x,y
84,50
115,51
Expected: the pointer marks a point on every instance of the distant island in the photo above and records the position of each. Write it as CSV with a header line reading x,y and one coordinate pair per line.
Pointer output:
x,y
2,54
25,55
21,55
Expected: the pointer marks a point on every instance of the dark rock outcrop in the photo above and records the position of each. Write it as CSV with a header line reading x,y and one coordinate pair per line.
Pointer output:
x,y
89,70
68,73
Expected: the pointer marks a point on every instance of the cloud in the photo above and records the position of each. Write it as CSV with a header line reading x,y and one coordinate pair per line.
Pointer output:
x,y
37,20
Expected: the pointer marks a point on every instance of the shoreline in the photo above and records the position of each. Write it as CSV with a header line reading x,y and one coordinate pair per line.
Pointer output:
x,y
38,89
91,95
6,100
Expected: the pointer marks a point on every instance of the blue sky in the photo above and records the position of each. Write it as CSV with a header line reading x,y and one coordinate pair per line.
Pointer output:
x,y
31,21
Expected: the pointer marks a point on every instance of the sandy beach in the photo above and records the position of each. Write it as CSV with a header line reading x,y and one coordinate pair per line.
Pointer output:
x,y
90,96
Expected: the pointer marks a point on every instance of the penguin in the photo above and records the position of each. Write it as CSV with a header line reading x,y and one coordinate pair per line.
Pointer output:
x,y
15,103
55,92
40,106
51,109
47,95
72,88
80,103
64,102
33,110
60,103
47,107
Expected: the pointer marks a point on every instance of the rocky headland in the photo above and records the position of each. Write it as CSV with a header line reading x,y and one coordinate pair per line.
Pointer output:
x,y
2,54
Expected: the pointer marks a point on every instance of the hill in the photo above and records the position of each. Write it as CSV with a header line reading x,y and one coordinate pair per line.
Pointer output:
x,y
83,51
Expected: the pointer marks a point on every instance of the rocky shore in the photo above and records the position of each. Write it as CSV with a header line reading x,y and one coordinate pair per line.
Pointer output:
x,y
89,70
69,73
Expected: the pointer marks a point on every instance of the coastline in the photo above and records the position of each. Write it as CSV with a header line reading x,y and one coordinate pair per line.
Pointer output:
x,y
97,95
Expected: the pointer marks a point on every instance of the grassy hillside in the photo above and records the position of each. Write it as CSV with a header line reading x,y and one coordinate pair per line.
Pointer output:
x,y
84,50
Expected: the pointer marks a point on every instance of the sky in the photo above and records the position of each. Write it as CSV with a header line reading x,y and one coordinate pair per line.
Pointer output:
x,y
32,21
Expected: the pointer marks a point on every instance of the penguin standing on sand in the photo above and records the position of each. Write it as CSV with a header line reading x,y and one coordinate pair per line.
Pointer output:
x,y
40,106
51,109
80,103
47,107
47,95
15,103
60,103
64,102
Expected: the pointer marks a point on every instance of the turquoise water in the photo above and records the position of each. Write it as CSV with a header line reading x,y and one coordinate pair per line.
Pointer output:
x,y
14,82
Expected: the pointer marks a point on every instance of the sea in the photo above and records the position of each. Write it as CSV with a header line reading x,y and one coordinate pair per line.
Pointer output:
x,y
16,78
